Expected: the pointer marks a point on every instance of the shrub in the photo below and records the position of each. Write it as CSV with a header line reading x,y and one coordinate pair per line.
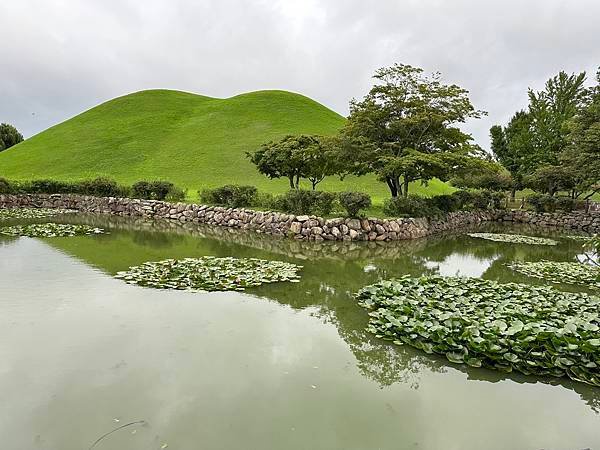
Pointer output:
x,y
299,201
542,202
411,206
265,200
176,194
447,202
157,190
47,187
101,187
565,204
353,202
230,195
6,187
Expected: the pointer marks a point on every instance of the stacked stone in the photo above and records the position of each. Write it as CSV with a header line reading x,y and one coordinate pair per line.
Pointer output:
x,y
574,220
301,227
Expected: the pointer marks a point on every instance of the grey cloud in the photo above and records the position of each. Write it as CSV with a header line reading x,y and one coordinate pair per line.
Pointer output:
x,y
60,57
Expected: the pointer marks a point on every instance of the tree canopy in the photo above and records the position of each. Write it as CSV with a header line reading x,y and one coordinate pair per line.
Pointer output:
x,y
405,128
296,157
9,136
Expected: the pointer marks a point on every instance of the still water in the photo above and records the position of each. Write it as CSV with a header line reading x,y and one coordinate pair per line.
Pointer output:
x,y
283,366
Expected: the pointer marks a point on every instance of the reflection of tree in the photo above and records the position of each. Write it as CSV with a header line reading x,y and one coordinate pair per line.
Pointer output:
x,y
332,273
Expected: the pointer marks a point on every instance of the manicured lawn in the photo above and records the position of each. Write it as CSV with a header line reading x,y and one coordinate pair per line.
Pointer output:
x,y
191,140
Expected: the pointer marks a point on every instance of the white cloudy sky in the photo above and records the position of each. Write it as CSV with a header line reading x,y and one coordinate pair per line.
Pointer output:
x,y
59,57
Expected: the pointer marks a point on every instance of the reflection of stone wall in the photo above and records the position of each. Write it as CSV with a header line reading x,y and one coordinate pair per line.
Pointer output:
x,y
299,227
574,220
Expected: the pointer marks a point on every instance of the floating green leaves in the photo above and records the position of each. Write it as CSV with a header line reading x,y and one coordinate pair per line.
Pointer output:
x,y
31,213
50,230
514,238
560,272
210,273
532,329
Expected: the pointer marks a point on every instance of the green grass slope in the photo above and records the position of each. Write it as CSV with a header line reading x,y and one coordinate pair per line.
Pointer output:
x,y
191,140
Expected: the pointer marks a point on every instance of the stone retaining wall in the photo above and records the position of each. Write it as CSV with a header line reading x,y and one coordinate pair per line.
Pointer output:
x,y
573,221
297,227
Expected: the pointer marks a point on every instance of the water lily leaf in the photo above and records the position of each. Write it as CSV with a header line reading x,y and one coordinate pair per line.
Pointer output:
x,y
514,238
535,330
47,230
210,273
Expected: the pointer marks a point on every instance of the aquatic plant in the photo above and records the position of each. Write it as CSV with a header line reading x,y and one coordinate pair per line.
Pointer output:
x,y
210,273
31,213
531,329
514,238
50,230
560,272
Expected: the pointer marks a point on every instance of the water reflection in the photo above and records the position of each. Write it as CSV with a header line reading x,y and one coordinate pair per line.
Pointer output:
x,y
332,273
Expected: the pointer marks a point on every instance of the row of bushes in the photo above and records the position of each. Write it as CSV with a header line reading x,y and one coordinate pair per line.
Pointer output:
x,y
295,201
99,187
545,203
415,206
323,203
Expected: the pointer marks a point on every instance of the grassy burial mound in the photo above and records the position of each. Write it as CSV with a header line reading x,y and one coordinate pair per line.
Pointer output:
x,y
191,140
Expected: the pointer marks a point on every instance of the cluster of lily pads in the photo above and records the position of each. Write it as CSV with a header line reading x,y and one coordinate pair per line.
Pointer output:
x,y
46,230
514,238
531,329
30,213
560,272
210,273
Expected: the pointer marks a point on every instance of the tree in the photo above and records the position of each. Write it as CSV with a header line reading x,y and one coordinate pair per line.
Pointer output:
x,y
583,152
296,157
513,148
488,175
9,136
532,145
404,129
551,109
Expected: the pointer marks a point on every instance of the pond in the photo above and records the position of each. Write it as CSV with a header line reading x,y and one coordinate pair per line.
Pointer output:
x,y
280,366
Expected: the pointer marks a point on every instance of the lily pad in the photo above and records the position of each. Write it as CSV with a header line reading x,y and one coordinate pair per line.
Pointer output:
x,y
31,213
530,329
514,238
560,272
210,273
50,230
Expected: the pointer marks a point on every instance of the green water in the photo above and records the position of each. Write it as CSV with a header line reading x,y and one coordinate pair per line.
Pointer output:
x,y
283,366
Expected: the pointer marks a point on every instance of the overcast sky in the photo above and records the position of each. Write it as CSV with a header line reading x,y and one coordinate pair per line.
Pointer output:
x,y
60,57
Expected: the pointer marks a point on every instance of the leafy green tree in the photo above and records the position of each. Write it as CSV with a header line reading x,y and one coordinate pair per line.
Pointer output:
x,y
9,136
532,145
296,157
552,179
582,155
488,175
513,147
405,129
551,109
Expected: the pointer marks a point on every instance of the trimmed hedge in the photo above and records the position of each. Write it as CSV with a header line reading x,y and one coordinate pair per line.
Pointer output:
x,y
98,187
231,196
415,206
353,202
299,201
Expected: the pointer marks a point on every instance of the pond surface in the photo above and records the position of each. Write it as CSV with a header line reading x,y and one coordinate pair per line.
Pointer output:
x,y
282,366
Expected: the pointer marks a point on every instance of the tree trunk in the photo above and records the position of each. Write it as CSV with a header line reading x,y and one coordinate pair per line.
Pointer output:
x,y
513,194
393,187
291,177
314,184
405,187
297,181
